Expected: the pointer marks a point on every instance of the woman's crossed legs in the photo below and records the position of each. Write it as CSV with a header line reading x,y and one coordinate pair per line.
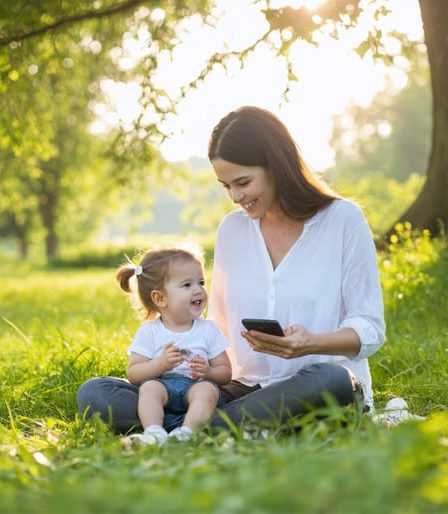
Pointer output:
x,y
116,400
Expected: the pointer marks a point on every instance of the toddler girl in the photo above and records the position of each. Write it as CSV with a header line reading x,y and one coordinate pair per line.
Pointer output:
x,y
178,358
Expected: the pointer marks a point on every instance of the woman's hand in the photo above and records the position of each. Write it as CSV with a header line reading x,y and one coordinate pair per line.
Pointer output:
x,y
296,342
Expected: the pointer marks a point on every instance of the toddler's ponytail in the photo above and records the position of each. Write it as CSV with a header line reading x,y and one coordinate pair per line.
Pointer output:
x,y
123,276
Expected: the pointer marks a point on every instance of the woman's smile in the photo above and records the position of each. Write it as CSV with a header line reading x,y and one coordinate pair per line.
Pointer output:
x,y
248,206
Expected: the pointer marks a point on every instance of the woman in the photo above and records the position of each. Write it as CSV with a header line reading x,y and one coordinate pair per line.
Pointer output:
x,y
295,252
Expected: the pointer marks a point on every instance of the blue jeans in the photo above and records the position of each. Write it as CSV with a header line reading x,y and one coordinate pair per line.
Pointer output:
x,y
115,399
177,387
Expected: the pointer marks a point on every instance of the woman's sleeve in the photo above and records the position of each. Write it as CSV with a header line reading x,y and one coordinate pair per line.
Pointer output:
x,y
361,290
217,309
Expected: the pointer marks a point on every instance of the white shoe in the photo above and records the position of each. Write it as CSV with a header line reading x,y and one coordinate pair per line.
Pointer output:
x,y
136,440
181,434
149,439
154,435
395,412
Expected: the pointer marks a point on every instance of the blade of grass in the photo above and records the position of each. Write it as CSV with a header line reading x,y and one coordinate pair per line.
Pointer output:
x,y
17,329
11,418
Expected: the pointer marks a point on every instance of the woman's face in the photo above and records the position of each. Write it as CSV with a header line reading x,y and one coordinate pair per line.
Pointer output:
x,y
248,186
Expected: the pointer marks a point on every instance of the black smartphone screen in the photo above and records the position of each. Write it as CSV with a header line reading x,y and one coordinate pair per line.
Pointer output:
x,y
268,326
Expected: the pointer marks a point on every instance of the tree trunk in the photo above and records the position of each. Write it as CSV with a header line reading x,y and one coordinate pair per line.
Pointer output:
x,y
24,246
430,209
20,231
51,244
48,215
48,190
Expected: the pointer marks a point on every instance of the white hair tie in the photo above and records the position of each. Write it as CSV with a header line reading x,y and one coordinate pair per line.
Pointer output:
x,y
138,270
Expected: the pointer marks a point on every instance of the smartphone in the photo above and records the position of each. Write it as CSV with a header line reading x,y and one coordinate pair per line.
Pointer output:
x,y
268,326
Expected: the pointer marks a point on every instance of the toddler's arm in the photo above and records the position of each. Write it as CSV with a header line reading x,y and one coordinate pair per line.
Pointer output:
x,y
140,368
217,370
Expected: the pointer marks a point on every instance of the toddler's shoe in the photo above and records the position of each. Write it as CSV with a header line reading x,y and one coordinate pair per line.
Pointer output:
x,y
153,435
181,434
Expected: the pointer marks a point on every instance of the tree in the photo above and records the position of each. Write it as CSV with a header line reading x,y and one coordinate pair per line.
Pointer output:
x,y
285,26
430,209
53,56
46,144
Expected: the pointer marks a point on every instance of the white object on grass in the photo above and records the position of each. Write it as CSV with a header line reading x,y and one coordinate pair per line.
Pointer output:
x,y
395,412
154,435
181,434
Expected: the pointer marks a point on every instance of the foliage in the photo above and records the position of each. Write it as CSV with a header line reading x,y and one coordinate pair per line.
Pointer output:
x,y
86,471
414,272
111,256
207,203
64,48
49,154
381,198
361,146
112,32
203,203
61,327
54,174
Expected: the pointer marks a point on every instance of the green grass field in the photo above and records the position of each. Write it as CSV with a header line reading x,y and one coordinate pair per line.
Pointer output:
x,y
60,327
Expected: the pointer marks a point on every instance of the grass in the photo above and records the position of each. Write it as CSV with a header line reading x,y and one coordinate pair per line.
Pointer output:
x,y
60,327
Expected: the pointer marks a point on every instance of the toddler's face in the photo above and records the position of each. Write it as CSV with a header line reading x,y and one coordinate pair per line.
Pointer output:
x,y
185,293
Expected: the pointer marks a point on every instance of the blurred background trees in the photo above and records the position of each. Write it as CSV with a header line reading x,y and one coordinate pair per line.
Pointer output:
x,y
56,178
59,178
430,208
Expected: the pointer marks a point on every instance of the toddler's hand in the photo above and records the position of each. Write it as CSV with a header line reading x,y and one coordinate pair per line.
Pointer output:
x,y
199,367
171,356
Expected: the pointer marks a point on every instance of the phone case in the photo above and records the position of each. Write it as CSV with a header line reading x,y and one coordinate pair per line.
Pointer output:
x,y
268,326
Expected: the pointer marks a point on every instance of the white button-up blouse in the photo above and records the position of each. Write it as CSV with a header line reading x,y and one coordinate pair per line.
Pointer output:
x,y
328,280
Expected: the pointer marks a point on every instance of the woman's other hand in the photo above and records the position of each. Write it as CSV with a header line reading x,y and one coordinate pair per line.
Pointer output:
x,y
296,342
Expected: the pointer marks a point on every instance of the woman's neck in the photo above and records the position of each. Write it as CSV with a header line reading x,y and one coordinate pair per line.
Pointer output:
x,y
280,233
277,218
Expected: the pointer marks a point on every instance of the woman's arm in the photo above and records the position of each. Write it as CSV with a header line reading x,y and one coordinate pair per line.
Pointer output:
x,y
361,291
140,368
298,342
361,330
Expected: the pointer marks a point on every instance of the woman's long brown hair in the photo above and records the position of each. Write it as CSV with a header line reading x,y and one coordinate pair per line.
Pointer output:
x,y
251,136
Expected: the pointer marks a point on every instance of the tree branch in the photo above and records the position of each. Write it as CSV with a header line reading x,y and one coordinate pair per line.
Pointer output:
x,y
129,4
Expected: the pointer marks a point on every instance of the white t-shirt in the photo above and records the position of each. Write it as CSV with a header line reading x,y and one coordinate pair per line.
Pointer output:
x,y
204,339
327,280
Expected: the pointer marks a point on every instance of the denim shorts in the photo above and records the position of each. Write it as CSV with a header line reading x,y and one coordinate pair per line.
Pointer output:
x,y
178,387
